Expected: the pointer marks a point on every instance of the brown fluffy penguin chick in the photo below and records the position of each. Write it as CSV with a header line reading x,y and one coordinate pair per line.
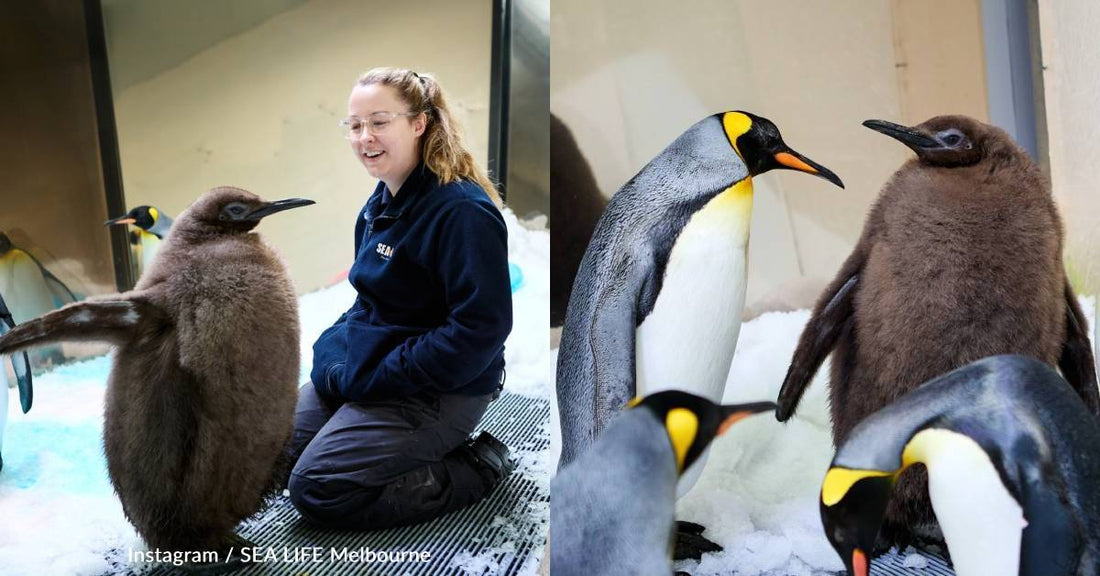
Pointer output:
x,y
960,258
200,399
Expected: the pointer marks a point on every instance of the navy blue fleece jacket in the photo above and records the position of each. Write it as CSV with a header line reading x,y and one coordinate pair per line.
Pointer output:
x,y
435,302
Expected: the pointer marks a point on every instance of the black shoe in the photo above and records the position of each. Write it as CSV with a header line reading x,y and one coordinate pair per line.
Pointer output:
x,y
492,456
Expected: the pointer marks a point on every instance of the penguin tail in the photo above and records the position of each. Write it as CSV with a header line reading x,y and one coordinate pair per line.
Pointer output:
x,y
114,321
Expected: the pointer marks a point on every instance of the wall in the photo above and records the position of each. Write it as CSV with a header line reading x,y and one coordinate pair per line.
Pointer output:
x,y
1071,78
627,78
52,201
259,110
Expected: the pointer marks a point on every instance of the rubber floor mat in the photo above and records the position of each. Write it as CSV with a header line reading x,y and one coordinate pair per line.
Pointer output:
x,y
502,535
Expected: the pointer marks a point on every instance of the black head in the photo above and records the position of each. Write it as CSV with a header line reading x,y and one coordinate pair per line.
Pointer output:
x,y
5,244
693,422
853,503
760,145
232,209
944,140
143,217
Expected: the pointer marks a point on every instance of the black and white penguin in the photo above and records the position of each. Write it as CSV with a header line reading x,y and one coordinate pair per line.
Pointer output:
x,y
152,227
1013,460
200,400
612,508
31,290
660,291
20,365
960,258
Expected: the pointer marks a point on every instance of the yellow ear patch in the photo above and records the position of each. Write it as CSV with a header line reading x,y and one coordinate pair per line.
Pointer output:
x,y
926,443
839,480
153,212
736,124
682,426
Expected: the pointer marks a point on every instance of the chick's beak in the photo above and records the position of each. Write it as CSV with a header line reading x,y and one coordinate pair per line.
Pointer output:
x,y
278,206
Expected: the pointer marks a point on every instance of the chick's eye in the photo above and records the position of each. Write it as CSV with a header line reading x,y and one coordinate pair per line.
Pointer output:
x,y
951,139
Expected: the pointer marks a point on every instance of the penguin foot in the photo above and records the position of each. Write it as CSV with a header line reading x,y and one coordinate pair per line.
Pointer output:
x,y
690,543
932,547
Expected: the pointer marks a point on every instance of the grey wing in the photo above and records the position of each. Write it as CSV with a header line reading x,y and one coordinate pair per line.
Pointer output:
x,y
596,375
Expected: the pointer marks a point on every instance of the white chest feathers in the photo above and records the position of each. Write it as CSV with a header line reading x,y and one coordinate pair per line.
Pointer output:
x,y
687,341
982,523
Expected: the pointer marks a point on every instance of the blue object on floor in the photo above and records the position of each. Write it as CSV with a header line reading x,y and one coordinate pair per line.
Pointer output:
x,y
516,274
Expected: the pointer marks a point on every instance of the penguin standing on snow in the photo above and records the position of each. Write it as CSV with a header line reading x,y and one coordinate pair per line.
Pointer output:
x,y
660,291
960,258
20,365
153,226
1013,460
31,290
612,508
200,400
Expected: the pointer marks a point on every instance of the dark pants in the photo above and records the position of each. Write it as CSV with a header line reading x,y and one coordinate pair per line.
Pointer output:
x,y
382,464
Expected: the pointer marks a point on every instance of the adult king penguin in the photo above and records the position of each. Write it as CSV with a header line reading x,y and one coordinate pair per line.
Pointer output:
x,y
960,258
660,290
20,365
200,400
1013,460
613,507
152,227
31,290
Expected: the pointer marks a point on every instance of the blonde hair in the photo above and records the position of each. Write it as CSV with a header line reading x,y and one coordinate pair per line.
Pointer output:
x,y
441,145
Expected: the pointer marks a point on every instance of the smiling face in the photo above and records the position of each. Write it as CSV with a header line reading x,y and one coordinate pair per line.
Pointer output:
x,y
391,154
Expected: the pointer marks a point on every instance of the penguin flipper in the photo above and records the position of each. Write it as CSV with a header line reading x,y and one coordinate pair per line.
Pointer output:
x,y
111,321
61,293
20,364
1077,362
612,339
830,317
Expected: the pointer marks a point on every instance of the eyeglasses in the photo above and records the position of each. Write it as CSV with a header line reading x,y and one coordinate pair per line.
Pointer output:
x,y
375,124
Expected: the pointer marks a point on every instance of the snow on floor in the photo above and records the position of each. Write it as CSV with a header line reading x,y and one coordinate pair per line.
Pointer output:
x,y
758,494
58,511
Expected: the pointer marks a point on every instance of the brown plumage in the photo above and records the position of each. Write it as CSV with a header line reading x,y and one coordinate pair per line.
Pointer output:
x,y
200,399
960,258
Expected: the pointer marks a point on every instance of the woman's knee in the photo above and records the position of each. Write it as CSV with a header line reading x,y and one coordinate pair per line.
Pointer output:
x,y
331,504
309,497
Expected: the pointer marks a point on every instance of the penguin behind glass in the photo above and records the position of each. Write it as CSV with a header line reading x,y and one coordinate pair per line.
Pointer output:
x,y
612,508
20,365
960,258
200,399
1013,459
660,290
153,226
31,290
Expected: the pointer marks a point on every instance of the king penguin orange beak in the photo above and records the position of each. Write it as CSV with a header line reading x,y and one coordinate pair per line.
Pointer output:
x,y
733,413
788,158
859,563
120,220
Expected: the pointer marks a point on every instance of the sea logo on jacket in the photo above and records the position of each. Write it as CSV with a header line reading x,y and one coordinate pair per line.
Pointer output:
x,y
385,251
